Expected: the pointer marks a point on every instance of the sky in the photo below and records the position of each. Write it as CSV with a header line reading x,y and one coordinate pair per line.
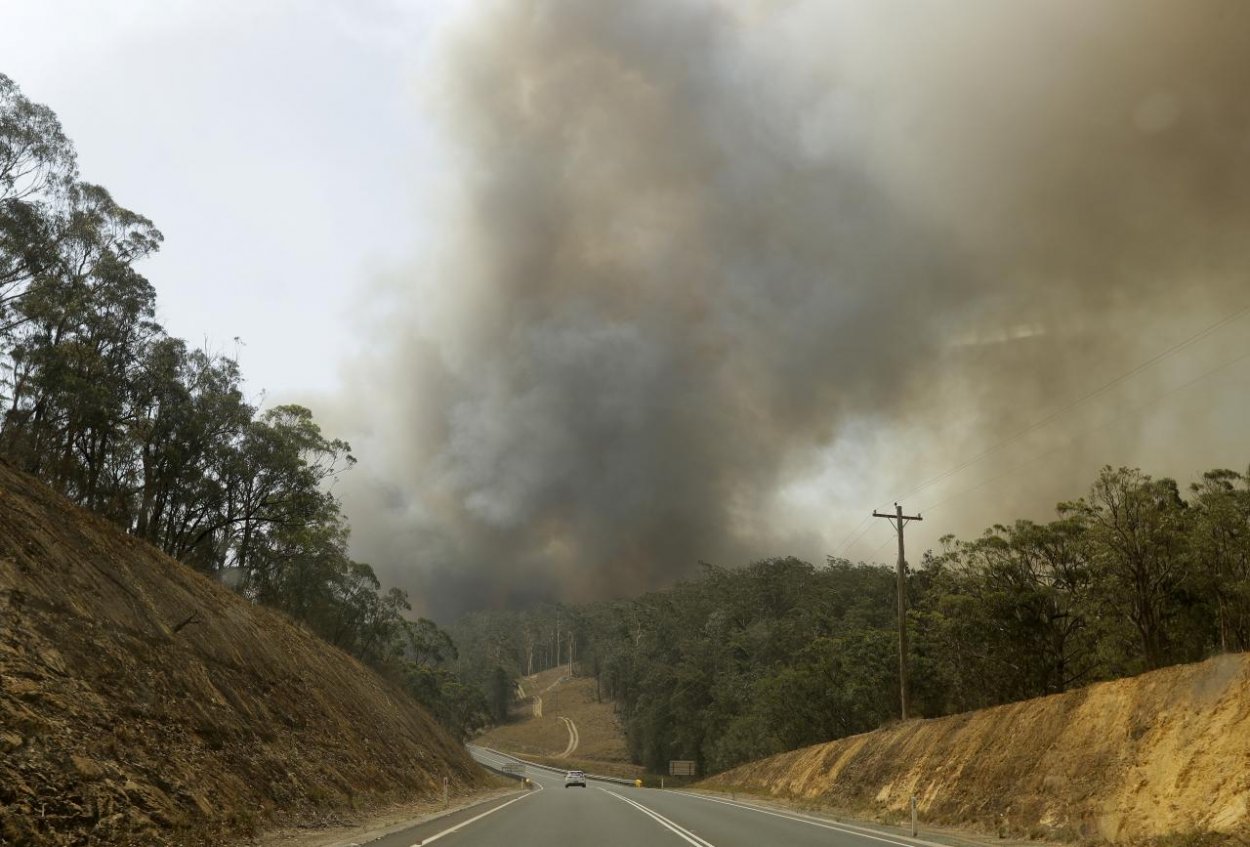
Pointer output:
x,y
277,145
597,291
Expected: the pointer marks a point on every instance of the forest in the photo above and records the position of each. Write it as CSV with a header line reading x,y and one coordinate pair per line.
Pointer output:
x,y
159,436
742,663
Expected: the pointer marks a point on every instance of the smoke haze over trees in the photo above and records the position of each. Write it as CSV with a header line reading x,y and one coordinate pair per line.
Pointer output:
x,y
736,665
716,278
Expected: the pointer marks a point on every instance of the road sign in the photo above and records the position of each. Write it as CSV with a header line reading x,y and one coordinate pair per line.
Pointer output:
x,y
681,767
513,767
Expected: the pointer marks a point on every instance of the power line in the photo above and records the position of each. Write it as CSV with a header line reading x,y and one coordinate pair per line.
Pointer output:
x,y
860,535
841,546
1068,443
881,546
1103,425
864,528
993,448
861,529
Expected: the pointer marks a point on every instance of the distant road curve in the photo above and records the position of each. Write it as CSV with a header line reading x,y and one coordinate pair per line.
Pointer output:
x,y
537,706
574,738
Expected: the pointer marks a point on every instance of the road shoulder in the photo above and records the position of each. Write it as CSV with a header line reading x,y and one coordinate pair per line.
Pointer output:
x,y
395,819
930,835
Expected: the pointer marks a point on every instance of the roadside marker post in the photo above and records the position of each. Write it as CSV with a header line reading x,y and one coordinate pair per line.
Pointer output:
x,y
446,796
913,816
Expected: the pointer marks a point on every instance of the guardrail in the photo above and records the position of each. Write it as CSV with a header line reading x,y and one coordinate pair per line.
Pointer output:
x,y
519,777
510,774
548,768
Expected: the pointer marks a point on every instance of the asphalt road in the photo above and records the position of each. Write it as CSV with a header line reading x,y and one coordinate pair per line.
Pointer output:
x,y
612,815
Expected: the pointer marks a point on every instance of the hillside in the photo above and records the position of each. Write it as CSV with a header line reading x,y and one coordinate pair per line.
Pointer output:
x,y
549,702
142,703
1163,753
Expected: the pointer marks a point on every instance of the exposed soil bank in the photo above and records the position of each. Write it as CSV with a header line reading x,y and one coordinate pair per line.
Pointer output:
x,y
1161,754
141,703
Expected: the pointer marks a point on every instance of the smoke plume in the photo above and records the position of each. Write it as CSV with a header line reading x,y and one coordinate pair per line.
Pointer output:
x,y
713,279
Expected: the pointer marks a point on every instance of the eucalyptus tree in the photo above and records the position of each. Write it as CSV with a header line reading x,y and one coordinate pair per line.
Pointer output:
x,y
38,165
1220,545
1136,533
189,417
74,341
1009,617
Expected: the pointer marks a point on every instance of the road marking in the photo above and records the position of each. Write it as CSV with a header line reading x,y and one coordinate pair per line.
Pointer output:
x,y
807,819
463,824
663,821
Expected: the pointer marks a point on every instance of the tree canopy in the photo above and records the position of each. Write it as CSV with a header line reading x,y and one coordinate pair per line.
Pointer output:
x,y
100,402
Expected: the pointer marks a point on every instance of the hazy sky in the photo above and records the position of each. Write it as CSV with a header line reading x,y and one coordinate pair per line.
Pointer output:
x,y
277,145
597,290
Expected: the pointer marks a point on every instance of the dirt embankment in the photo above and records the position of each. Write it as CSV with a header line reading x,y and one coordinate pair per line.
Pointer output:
x,y
1164,753
141,703
540,729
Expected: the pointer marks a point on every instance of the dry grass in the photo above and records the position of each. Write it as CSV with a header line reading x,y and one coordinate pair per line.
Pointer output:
x,y
544,736
601,748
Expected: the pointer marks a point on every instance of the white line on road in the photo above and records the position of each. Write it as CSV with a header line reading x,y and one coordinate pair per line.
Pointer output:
x,y
663,821
463,824
807,819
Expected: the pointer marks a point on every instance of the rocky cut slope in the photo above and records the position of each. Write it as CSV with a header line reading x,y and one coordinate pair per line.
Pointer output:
x,y
1152,757
141,703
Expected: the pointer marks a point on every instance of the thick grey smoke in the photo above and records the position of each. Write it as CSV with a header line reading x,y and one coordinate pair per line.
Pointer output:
x,y
697,260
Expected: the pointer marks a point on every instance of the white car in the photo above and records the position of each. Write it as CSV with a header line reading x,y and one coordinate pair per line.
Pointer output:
x,y
575,778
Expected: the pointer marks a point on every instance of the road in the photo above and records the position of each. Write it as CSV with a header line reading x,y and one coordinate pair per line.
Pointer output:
x,y
574,738
538,698
612,815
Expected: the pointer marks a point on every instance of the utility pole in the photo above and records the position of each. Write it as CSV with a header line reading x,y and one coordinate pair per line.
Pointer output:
x,y
899,520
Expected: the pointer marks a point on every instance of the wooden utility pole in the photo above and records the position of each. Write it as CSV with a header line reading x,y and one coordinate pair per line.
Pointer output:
x,y
900,520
